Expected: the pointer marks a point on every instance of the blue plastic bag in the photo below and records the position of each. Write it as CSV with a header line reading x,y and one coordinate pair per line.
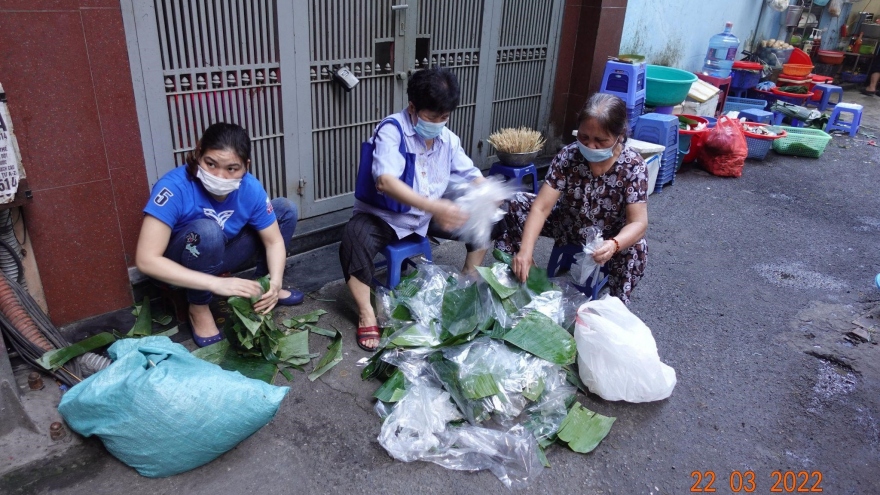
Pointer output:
x,y
163,411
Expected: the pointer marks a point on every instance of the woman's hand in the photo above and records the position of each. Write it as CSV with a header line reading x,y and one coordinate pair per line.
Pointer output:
x,y
268,301
522,263
448,215
233,286
605,252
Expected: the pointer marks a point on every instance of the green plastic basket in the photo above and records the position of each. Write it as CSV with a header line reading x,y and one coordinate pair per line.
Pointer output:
x,y
802,142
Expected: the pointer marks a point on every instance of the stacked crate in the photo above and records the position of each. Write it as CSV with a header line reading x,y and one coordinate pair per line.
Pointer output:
x,y
661,129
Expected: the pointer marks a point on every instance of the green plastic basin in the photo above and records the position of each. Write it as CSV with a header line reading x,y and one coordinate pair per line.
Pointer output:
x,y
666,86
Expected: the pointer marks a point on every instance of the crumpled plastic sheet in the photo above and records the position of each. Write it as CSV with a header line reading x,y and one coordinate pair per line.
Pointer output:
x,y
546,415
419,426
426,304
585,266
481,204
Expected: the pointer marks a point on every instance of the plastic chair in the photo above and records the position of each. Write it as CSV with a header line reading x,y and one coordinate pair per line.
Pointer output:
x,y
851,127
877,281
398,253
518,173
827,90
562,257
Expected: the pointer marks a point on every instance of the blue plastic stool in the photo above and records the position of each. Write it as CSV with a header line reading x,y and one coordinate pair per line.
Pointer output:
x,y
756,115
563,257
518,173
625,80
852,127
827,90
877,281
397,254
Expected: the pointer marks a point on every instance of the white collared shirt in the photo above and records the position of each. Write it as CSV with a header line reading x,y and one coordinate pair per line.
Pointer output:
x,y
433,168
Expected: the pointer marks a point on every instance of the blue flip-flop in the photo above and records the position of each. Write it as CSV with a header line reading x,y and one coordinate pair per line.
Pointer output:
x,y
295,297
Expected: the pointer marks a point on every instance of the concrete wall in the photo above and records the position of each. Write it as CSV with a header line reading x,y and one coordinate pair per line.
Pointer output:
x,y
676,33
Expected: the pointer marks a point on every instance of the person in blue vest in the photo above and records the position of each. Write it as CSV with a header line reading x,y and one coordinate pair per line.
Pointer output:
x,y
210,217
433,95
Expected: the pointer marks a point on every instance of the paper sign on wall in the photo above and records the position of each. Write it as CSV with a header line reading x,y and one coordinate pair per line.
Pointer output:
x,y
9,156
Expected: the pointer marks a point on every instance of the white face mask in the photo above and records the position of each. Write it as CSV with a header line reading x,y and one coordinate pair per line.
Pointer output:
x,y
216,185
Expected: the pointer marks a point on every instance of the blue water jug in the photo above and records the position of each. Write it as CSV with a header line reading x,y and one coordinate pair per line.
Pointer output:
x,y
721,53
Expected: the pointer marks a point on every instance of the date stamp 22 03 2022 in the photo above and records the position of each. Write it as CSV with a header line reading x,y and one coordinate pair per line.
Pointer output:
x,y
749,482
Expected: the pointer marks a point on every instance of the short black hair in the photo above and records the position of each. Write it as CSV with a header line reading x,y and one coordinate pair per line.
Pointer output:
x,y
220,136
435,89
609,111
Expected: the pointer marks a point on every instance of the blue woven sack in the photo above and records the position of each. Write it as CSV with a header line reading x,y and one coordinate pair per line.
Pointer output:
x,y
163,411
365,187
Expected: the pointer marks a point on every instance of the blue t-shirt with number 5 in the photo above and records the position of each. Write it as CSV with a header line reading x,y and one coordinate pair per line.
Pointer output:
x,y
176,201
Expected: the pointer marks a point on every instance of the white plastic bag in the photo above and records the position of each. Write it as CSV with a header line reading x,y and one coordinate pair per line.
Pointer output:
x,y
585,267
617,355
480,202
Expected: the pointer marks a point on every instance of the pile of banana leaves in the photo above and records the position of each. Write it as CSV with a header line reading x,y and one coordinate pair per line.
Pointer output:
x,y
478,371
258,348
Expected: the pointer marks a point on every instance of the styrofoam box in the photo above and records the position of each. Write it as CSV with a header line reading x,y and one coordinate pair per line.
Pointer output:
x,y
653,163
691,107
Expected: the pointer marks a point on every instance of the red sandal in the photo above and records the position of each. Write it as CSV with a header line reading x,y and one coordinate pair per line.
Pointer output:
x,y
367,333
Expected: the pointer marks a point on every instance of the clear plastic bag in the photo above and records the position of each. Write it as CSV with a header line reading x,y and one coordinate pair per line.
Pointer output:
x,y
481,204
585,266
617,355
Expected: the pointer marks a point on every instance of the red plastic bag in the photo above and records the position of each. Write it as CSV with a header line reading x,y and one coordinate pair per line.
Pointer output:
x,y
724,149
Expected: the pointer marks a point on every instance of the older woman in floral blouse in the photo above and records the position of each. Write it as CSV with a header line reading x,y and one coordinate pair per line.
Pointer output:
x,y
595,181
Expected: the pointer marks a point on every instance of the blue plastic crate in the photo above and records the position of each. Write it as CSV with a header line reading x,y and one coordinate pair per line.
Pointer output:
x,y
734,104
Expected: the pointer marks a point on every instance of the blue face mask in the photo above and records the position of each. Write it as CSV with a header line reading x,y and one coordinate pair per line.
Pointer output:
x,y
596,156
429,130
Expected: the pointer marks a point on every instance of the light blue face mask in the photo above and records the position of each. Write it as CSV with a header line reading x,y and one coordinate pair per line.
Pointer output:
x,y
596,156
429,130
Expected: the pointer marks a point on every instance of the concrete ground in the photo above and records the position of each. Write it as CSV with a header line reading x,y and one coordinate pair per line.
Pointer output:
x,y
752,289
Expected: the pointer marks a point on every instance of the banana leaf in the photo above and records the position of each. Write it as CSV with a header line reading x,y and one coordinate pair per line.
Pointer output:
x,y
538,335
295,345
480,385
518,300
224,356
533,391
538,282
375,366
320,331
330,359
159,317
55,359
401,313
300,320
447,372
417,335
461,311
144,323
542,456
393,389
583,429
502,257
503,290
252,326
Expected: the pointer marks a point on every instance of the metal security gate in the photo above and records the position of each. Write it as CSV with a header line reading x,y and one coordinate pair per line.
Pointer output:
x,y
268,65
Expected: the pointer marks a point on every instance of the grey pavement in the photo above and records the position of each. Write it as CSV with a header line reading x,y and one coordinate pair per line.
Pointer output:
x,y
752,288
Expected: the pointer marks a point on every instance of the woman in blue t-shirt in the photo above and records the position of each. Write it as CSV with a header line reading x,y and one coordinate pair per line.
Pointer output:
x,y
210,217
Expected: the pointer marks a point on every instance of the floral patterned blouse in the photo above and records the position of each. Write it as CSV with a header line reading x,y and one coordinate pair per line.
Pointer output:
x,y
588,200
